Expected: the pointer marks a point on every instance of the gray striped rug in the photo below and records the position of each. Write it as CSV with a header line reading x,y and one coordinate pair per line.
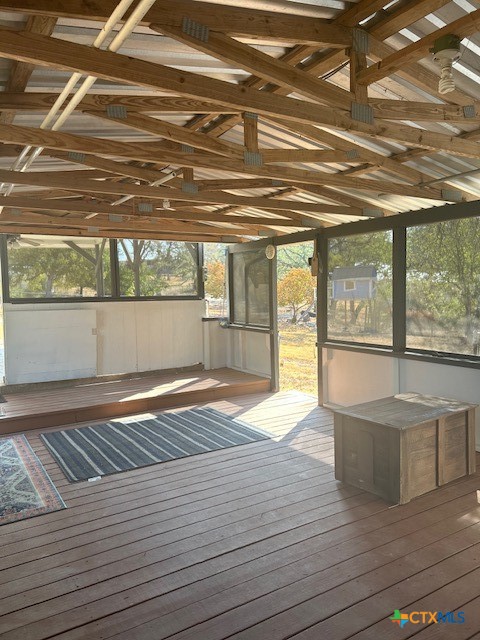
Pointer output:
x,y
103,449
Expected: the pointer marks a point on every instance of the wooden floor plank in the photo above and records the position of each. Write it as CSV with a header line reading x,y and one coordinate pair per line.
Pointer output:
x,y
190,606
93,400
257,541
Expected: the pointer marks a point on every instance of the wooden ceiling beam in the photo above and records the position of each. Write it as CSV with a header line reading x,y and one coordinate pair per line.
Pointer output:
x,y
161,193
349,146
15,101
21,72
108,166
95,232
16,203
424,111
136,225
261,25
67,56
309,155
401,15
170,131
237,184
334,195
262,65
359,12
85,174
50,194
463,27
100,146
26,202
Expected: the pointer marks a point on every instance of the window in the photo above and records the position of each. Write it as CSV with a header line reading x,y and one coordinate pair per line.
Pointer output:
x,y
251,288
360,288
151,268
58,267
349,285
52,267
443,287
215,283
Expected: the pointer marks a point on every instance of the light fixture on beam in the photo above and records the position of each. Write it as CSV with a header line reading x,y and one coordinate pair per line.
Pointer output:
x,y
446,51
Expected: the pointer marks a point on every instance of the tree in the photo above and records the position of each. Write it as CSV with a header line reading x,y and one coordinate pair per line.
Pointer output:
x,y
47,272
215,284
296,290
155,267
293,256
443,262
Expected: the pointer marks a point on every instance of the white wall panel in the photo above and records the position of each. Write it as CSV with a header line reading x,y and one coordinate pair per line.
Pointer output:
x,y
353,377
215,340
131,336
52,345
249,351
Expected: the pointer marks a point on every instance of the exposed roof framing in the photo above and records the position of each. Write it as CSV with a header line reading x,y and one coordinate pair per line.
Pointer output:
x,y
273,121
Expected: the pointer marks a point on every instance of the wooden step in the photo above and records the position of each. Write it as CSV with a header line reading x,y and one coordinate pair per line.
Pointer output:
x,y
67,406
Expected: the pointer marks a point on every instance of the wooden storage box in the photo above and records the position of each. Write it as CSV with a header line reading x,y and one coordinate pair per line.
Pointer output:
x,y
405,445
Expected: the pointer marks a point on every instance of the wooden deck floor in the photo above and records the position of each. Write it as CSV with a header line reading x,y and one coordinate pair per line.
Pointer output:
x,y
256,542
94,400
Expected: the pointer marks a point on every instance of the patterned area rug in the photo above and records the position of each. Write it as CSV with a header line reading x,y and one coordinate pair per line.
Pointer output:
x,y
25,488
99,450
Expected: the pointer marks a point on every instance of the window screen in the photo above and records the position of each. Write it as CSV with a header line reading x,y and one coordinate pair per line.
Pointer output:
x,y
251,288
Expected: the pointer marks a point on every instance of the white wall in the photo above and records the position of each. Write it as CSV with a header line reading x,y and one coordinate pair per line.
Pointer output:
x,y
215,349
52,341
249,351
351,377
61,345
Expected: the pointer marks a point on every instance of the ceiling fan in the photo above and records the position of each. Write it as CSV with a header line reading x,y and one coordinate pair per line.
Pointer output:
x,y
16,240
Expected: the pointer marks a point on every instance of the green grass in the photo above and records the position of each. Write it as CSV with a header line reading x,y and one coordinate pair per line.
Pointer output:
x,y
298,358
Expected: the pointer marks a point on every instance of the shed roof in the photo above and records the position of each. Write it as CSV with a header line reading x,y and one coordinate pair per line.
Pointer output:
x,y
353,273
329,147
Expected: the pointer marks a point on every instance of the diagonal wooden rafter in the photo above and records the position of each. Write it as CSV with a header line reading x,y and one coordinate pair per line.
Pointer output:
x,y
256,62
21,72
396,17
97,103
97,232
174,132
403,16
463,27
122,224
59,54
15,101
213,153
64,141
262,25
161,193
25,203
113,66
108,166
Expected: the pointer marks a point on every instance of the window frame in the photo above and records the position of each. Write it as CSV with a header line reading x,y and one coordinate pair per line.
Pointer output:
x,y
398,225
325,274
115,280
232,321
